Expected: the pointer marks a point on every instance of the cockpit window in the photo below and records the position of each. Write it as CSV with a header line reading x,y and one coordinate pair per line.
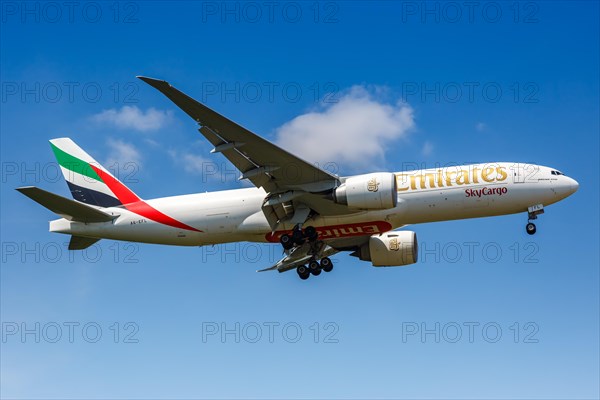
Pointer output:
x,y
556,172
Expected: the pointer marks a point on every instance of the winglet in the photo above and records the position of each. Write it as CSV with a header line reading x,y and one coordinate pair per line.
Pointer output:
x,y
181,100
157,83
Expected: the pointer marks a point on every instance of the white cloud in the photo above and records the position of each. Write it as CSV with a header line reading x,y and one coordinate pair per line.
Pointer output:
x,y
427,148
196,164
152,142
354,132
209,169
131,117
122,155
193,163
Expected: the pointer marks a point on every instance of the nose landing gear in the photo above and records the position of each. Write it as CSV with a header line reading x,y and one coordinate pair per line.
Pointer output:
x,y
532,213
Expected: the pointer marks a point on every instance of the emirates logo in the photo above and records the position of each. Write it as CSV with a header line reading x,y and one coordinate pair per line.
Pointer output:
x,y
373,185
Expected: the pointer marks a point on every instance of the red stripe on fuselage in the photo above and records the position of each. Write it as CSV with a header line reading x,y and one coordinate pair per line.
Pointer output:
x,y
340,231
136,205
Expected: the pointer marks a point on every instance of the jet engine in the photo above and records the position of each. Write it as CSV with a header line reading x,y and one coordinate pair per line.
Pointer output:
x,y
377,191
390,249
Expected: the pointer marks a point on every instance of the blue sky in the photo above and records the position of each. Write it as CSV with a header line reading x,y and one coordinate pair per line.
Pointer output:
x,y
500,82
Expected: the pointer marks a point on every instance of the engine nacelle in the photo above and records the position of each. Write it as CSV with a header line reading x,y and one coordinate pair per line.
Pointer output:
x,y
391,249
377,191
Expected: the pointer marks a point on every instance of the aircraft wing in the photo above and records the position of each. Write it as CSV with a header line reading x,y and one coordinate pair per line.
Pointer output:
x,y
263,163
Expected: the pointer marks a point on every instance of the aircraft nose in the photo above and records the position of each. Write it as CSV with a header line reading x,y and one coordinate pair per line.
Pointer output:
x,y
573,185
565,186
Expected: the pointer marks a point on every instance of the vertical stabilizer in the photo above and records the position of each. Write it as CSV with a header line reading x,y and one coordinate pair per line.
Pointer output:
x,y
89,182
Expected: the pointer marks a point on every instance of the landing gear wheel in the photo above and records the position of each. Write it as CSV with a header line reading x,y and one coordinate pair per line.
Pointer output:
x,y
530,228
286,241
303,272
298,237
304,276
326,264
310,233
314,268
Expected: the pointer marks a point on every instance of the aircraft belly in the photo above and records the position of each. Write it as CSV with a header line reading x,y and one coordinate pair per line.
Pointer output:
x,y
139,230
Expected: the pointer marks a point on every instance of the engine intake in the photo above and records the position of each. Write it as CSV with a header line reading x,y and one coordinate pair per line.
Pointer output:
x,y
377,191
391,249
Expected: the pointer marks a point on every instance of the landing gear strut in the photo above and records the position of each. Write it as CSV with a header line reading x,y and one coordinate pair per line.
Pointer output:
x,y
311,233
298,236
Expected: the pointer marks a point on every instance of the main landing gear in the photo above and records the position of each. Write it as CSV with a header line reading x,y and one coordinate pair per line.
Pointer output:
x,y
532,213
314,267
298,237
303,272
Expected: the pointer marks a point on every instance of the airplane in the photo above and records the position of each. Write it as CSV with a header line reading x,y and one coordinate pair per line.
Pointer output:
x,y
310,212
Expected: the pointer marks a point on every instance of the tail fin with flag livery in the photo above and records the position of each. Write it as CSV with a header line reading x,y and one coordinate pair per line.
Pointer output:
x,y
88,181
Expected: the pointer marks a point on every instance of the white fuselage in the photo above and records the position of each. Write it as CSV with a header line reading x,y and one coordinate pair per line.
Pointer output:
x,y
438,194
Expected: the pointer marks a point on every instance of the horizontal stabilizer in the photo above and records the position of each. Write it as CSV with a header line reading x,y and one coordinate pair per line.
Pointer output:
x,y
66,208
80,242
